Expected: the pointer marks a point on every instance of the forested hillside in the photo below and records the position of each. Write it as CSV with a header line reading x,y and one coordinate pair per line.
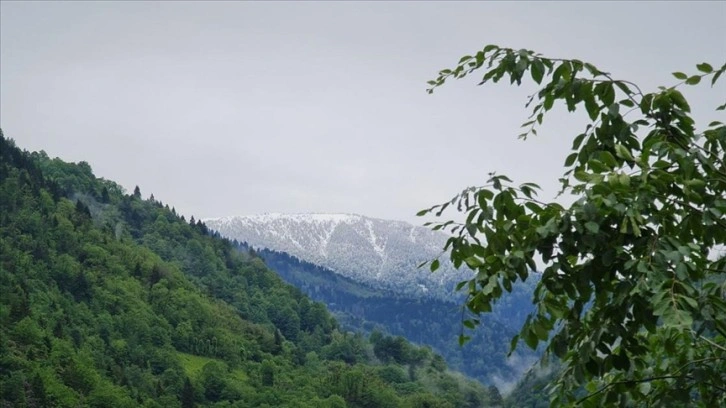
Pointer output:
x,y
113,300
432,322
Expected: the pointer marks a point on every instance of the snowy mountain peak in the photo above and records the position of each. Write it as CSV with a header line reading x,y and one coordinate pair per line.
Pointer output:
x,y
303,217
382,253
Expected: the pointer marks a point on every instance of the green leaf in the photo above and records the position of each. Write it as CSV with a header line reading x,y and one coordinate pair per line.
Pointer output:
x,y
705,67
680,75
677,318
537,71
490,47
679,100
562,72
696,184
541,331
582,176
646,103
624,226
621,362
434,265
605,92
693,303
530,339
548,102
625,181
614,110
623,152
593,109
474,262
461,285
644,388
716,76
578,141
693,80
597,166
607,158
513,343
592,367
482,200
570,159
486,194
533,207
592,227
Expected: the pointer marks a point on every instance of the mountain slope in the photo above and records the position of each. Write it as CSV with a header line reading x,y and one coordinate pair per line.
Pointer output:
x,y
432,322
380,253
110,300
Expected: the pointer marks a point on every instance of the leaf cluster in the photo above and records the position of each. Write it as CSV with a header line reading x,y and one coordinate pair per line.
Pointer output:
x,y
632,295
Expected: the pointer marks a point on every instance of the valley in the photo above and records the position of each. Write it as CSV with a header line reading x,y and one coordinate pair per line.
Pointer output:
x,y
388,295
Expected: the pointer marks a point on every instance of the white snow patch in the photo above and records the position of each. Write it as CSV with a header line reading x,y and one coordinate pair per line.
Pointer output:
x,y
380,250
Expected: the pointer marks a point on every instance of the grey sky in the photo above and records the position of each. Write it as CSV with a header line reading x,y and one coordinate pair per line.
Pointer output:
x,y
240,108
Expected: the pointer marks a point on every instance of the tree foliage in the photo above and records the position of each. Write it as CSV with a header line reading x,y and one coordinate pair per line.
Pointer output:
x,y
423,321
632,294
109,300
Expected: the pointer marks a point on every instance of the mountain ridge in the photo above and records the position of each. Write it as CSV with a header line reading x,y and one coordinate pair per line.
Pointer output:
x,y
382,253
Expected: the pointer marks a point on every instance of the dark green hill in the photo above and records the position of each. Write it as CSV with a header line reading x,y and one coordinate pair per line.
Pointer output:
x,y
431,322
112,300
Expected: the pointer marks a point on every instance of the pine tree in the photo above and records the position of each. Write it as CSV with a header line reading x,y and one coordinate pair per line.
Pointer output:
x,y
187,395
105,198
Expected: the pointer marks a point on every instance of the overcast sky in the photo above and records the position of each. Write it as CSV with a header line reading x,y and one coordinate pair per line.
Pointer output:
x,y
235,108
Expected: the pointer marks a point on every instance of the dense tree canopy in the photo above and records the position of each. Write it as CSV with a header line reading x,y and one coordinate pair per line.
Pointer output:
x,y
632,295
110,300
423,321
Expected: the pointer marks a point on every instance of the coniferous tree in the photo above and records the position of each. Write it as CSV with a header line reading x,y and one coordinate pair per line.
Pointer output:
x,y
105,198
82,209
267,373
187,394
495,396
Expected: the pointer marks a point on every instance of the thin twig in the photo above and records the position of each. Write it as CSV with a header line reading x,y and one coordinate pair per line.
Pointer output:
x,y
601,390
718,346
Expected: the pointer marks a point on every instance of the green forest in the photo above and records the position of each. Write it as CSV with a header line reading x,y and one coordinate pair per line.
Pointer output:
x,y
432,322
115,300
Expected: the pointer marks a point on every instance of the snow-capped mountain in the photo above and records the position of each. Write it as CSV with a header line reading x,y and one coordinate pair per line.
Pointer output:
x,y
380,253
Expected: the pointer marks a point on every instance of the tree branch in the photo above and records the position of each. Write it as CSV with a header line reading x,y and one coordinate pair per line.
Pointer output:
x,y
649,379
718,346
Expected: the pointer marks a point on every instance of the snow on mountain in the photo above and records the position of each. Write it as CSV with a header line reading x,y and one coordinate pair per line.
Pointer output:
x,y
380,253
